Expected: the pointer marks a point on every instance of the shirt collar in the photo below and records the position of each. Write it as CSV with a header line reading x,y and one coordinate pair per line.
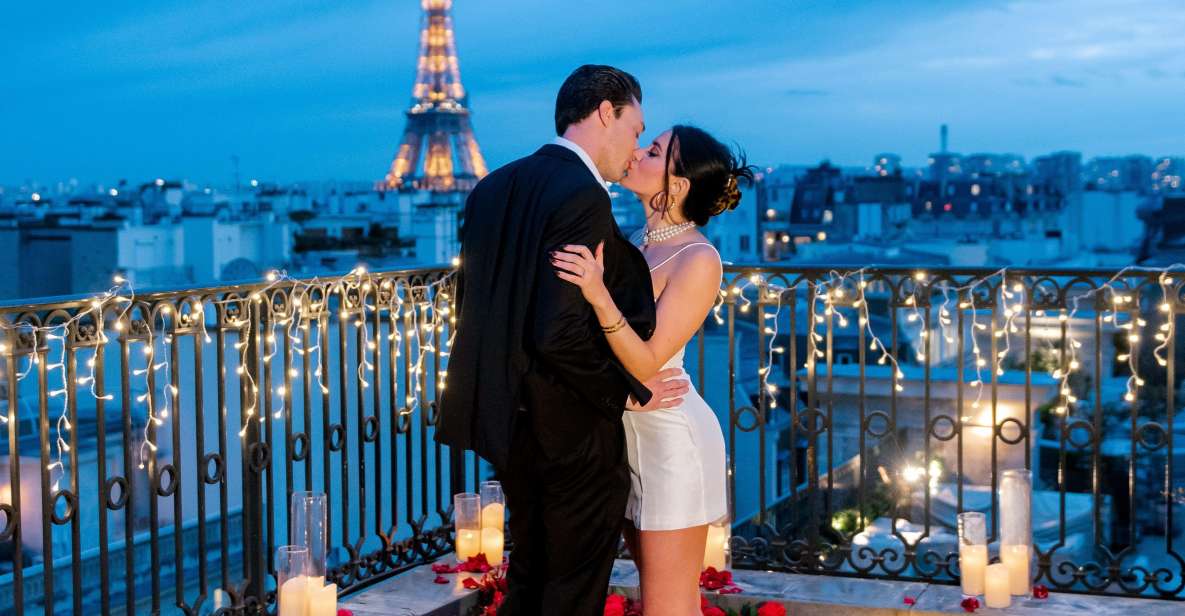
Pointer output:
x,y
572,145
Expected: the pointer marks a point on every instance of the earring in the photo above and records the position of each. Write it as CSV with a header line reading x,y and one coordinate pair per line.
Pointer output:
x,y
670,200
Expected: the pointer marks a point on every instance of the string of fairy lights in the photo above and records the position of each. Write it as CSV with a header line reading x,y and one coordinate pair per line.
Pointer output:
x,y
837,298
426,309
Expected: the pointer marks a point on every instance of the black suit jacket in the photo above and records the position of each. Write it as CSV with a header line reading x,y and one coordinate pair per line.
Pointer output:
x,y
527,340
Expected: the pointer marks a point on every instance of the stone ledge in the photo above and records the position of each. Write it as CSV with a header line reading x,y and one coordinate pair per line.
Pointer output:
x,y
821,595
414,594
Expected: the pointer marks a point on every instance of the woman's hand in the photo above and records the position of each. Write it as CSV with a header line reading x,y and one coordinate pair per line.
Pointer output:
x,y
577,265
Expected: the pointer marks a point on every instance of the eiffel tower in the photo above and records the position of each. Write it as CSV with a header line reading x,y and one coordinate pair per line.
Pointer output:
x,y
438,152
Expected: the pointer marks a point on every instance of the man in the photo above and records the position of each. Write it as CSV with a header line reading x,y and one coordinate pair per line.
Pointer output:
x,y
533,386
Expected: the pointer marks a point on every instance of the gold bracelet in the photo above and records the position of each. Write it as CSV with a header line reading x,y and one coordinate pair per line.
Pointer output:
x,y
616,327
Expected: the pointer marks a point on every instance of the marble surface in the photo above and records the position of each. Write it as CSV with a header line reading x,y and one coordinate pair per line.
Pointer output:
x,y
940,599
819,595
414,594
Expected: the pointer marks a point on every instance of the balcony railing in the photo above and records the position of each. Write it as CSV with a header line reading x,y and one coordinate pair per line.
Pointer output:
x,y
153,439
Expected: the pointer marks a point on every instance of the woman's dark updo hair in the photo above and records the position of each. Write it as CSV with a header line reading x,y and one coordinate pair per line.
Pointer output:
x,y
712,169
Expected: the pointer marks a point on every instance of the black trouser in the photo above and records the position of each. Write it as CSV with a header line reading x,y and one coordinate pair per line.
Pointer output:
x,y
566,515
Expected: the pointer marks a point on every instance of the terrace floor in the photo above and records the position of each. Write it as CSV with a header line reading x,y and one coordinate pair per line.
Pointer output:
x,y
414,594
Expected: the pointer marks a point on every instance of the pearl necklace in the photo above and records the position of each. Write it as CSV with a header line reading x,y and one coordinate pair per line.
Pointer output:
x,y
662,234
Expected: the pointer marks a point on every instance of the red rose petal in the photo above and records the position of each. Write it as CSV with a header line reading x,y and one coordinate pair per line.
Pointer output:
x,y
344,612
970,604
441,568
1040,591
440,579
769,608
470,583
910,601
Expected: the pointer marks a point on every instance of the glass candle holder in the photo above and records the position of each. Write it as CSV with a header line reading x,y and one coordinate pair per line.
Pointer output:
x,y
292,583
973,552
1016,529
467,525
309,524
493,521
493,505
717,553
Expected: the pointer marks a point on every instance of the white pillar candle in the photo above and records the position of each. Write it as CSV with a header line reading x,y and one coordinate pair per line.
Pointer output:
x,y
468,543
493,515
973,560
996,588
492,545
1016,558
294,597
323,600
716,547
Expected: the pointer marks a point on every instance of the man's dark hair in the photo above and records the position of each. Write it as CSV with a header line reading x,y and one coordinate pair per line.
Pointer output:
x,y
586,87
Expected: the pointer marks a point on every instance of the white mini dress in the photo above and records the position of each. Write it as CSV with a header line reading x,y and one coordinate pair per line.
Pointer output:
x,y
677,461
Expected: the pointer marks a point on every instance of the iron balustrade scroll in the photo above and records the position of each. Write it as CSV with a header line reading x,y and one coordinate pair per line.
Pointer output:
x,y
153,439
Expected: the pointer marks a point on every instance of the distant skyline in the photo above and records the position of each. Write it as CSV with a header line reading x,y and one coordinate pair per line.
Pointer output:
x,y
317,90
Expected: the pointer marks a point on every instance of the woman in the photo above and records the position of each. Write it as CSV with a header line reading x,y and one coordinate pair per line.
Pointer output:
x,y
676,456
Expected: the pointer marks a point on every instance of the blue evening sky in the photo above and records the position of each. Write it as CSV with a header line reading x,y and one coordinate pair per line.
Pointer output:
x,y
316,89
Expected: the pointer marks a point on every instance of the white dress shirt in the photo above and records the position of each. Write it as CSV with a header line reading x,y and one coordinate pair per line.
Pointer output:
x,y
572,145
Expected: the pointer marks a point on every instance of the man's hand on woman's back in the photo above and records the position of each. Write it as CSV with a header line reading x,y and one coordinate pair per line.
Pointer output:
x,y
668,388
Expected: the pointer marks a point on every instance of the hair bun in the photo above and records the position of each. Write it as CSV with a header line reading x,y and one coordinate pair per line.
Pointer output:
x,y
730,198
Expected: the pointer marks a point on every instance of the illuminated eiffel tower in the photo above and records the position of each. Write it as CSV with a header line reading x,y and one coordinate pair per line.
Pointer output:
x,y
438,152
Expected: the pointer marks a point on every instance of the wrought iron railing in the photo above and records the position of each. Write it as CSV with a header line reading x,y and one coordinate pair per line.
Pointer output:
x,y
887,400
153,439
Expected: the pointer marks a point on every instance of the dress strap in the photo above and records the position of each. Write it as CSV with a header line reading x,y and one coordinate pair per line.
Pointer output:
x,y
677,252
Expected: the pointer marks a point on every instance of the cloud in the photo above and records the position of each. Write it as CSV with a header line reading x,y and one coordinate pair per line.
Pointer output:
x,y
1061,80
